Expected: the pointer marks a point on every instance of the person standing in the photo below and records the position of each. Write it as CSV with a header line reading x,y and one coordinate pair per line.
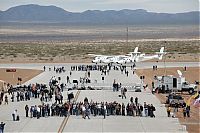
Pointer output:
x,y
185,68
68,79
87,111
176,107
2,94
31,111
70,73
6,99
188,111
184,112
127,73
2,127
44,68
14,115
141,110
145,109
26,109
83,111
123,92
168,111
123,109
136,101
12,96
152,109
104,111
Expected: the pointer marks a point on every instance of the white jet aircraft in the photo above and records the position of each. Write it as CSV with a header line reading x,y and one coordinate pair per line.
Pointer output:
x,y
138,57
124,59
111,59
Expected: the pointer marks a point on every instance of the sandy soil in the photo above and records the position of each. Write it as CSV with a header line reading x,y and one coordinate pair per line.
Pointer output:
x,y
192,74
77,51
12,77
86,59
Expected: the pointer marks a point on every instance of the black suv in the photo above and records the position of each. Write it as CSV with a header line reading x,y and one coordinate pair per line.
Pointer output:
x,y
173,99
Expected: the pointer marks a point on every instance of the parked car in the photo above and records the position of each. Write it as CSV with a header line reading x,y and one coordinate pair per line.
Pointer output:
x,y
173,99
137,88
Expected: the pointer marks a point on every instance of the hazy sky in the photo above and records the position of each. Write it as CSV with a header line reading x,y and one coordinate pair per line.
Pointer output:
x,y
170,6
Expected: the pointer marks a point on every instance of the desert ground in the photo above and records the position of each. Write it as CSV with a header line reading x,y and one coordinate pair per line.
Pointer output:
x,y
192,74
77,52
12,77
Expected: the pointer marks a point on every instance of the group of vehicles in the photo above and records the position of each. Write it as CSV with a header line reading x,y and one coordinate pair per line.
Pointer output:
x,y
131,57
170,83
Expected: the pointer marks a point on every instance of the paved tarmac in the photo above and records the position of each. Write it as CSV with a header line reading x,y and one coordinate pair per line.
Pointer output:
x,y
161,123
139,65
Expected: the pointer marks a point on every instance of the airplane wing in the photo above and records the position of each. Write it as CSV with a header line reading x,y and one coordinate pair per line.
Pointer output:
x,y
123,56
158,55
94,55
145,58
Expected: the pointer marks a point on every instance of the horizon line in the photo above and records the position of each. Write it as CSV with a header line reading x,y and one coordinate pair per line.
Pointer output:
x,y
98,9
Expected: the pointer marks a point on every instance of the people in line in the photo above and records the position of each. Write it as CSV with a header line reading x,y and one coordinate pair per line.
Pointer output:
x,y
103,68
25,93
87,109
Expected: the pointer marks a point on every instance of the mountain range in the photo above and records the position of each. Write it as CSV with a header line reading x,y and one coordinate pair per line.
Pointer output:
x,y
52,14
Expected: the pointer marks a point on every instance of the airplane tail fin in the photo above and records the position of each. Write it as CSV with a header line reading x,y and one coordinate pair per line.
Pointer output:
x,y
136,50
162,50
135,54
161,53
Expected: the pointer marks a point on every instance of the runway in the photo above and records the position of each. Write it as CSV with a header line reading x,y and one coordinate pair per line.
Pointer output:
x,y
96,124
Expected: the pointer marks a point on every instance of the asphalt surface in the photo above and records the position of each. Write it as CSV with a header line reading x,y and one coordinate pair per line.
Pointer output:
x,y
161,123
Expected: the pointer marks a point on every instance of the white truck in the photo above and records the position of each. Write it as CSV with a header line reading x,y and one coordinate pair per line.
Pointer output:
x,y
171,83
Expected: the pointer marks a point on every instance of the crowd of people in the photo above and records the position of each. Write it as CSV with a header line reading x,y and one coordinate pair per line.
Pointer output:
x,y
86,109
90,67
56,69
25,93
103,68
171,111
